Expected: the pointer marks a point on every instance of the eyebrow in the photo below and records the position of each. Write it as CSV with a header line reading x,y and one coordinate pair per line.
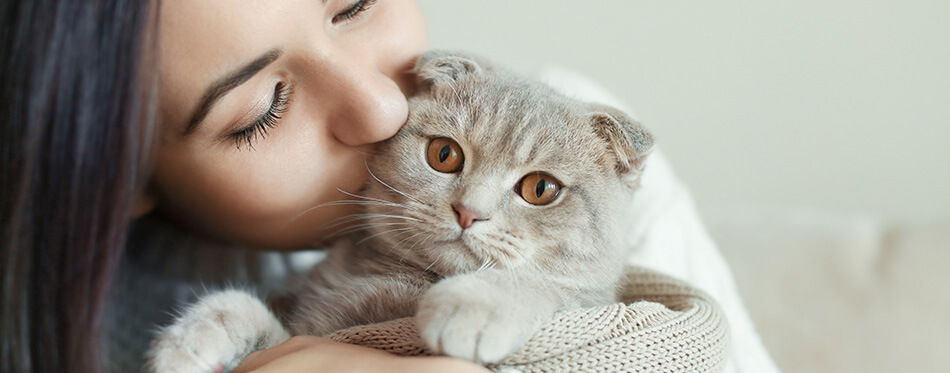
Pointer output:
x,y
224,85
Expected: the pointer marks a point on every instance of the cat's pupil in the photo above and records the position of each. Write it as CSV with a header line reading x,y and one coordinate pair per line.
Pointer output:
x,y
542,185
444,153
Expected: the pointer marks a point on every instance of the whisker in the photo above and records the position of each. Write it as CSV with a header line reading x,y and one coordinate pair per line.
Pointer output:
x,y
414,246
342,220
344,202
389,186
370,215
430,265
484,265
364,216
362,200
343,232
398,244
348,202
367,153
360,227
365,197
401,234
383,232
351,231
457,96
371,225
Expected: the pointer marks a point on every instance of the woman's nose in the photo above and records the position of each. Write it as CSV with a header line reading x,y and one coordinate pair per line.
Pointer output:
x,y
369,106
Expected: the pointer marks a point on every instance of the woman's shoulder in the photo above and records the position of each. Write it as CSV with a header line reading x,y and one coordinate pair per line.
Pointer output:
x,y
164,269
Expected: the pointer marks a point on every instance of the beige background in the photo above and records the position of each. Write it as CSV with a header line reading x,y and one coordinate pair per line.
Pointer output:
x,y
835,105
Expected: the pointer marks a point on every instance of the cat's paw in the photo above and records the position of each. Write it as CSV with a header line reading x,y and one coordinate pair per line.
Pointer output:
x,y
215,334
468,321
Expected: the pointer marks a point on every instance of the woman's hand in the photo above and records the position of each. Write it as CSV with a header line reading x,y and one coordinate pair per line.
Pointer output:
x,y
313,354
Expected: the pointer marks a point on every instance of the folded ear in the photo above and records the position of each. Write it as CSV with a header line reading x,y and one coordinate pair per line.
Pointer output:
x,y
442,67
629,140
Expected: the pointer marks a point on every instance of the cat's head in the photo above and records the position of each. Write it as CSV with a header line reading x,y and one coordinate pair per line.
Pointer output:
x,y
495,170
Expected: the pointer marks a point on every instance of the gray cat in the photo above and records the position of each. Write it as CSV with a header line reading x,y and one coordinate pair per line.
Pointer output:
x,y
496,206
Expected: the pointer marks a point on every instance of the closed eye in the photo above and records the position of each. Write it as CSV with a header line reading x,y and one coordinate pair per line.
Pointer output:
x,y
353,11
267,120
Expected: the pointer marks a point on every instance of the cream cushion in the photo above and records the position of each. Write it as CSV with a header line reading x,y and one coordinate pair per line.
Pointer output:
x,y
833,292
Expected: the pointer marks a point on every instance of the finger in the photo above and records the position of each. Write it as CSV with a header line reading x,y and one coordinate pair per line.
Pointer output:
x,y
257,359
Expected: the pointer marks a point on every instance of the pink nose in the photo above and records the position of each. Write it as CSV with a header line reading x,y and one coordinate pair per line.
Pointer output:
x,y
466,217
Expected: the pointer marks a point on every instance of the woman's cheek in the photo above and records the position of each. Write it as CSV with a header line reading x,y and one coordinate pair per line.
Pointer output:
x,y
270,197
279,177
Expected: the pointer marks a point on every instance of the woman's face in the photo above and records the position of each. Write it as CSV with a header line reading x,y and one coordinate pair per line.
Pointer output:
x,y
268,107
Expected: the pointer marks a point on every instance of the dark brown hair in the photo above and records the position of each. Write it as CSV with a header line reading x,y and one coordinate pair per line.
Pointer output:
x,y
75,125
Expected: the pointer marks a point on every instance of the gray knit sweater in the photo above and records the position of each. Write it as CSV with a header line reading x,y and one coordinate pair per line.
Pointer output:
x,y
164,269
661,324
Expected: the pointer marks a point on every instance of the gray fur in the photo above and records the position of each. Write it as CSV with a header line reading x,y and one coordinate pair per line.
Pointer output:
x,y
479,293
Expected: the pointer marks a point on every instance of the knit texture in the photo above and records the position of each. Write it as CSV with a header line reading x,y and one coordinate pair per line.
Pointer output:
x,y
660,325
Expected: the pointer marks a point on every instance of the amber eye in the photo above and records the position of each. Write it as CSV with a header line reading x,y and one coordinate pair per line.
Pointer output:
x,y
445,155
539,189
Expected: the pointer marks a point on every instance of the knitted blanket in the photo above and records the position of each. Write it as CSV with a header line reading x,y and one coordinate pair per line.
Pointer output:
x,y
660,325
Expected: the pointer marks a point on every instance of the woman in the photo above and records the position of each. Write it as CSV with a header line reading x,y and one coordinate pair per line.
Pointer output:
x,y
229,119
323,81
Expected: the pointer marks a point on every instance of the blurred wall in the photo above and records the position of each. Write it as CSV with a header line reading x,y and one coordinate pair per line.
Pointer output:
x,y
839,105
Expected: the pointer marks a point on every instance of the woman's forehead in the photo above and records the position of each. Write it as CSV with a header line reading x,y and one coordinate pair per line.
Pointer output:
x,y
202,41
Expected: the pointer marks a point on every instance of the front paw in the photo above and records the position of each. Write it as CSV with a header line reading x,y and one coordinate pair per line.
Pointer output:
x,y
215,334
465,319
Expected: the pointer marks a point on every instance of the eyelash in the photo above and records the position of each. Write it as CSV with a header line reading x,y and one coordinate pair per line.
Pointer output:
x,y
354,11
267,120
282,91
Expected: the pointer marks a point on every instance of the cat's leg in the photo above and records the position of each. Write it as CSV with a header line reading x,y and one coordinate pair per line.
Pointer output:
x,y
485,316
215,334
323,307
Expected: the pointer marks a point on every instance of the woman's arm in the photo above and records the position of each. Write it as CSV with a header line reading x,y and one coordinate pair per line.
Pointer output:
x,y
309,353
